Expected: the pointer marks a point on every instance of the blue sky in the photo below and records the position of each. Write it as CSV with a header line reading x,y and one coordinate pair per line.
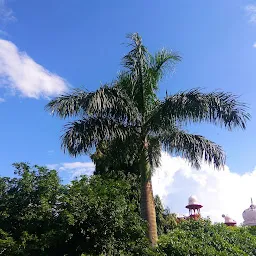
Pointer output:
x,y
80,43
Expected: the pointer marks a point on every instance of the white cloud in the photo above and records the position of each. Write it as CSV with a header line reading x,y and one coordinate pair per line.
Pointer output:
x,y
74,169
251,12
220,192
20,73
254,45
6,13
2,100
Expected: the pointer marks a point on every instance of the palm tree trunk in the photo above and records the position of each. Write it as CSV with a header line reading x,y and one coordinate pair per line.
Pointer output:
x,y
147,203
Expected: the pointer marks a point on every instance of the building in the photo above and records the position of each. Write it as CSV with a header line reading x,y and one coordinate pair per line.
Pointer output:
x,y
194,209
249,215
228,221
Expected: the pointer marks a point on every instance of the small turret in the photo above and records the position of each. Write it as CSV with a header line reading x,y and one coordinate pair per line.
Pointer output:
x,y
229,221
194,207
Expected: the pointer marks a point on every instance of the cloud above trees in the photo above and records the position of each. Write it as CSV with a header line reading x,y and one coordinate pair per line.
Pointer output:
x,y
220,192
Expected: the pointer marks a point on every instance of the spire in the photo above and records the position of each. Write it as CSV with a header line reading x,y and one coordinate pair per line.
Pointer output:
x,y
251,201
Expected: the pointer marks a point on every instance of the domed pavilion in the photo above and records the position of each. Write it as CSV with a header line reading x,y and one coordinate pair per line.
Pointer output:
x,y
249,215
228,221
194,207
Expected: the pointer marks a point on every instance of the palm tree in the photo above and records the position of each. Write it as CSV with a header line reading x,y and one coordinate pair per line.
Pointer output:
x,y
128,115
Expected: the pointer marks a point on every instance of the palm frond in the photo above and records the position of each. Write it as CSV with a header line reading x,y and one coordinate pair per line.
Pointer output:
x,y
144,71
107,100
157,121
135,63
134,59
161,62
219,108
68,104
83,135
125,83
194,148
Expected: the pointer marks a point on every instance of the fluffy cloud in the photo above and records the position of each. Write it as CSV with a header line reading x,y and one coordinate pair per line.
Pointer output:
x,y
2,100
251,12
20,73
220,192
69,171
6,13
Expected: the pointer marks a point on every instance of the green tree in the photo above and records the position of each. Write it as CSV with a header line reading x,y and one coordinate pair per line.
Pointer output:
x,y
96,215
106,212
31,209
134,122
165,220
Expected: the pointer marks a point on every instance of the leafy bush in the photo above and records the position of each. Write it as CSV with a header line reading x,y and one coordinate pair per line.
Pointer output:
x,y
202,238
96,215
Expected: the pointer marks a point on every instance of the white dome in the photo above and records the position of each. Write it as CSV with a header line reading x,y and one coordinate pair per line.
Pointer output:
x,y
228,219
249,215
192,200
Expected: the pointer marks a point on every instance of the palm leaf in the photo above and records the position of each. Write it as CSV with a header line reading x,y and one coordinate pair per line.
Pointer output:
x,y
107,100
68,104
218,108
163,61
194,148
83,135
143,72
136,63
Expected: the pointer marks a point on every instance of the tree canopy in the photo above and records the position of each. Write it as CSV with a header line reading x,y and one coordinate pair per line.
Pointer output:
x,y
96,215
200,237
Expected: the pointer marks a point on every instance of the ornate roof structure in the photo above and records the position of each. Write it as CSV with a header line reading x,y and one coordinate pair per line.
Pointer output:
x,y
249,215
228,221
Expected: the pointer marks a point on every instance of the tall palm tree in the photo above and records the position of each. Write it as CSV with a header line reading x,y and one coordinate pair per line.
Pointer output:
x,y
128,115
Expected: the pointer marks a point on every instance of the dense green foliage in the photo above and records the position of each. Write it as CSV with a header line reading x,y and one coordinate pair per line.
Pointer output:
x,y
40,216
165,220
202,238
